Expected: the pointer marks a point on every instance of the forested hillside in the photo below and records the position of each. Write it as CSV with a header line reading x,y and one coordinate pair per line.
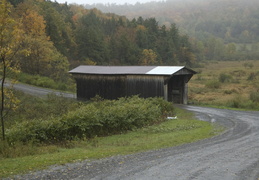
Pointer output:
x,y
220,29
59,36
51,38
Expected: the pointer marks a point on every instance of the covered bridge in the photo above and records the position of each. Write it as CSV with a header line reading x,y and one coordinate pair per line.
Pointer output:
x,y
111,82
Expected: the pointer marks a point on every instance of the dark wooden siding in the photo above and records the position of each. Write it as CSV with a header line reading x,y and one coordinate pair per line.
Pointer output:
x,y
145,86
172,88
114,86
108,87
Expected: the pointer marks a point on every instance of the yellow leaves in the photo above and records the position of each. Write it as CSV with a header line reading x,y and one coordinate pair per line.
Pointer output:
x,y
148,57
10,32
141,28
33,23
11,101
89,62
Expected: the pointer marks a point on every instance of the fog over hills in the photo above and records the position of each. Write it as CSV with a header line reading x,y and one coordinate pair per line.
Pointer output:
x,y
232,20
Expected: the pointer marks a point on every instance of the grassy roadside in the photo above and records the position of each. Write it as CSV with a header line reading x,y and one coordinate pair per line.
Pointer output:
x,y
170,133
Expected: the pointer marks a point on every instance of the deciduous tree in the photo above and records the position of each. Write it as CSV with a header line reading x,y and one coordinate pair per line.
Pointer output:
x,y
148,57
10,38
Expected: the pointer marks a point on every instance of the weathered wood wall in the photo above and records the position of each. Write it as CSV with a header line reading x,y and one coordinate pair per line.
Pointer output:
x,y
145,86
172,88
108,87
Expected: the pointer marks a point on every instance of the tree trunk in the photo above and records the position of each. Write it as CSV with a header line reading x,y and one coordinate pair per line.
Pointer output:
x,y
2,98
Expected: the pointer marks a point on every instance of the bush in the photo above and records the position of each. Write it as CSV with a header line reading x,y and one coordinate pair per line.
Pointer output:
x,y
99,118
243,102
225,78
253,76
254,96
213,84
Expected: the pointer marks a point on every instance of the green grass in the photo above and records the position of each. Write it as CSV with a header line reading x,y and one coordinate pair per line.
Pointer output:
x,y
167,134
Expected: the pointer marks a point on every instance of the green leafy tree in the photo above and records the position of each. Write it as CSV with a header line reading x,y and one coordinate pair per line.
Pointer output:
x,y
59,24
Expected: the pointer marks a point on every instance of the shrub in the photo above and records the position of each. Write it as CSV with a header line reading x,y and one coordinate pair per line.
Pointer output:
x,y
100,118
230,91
253,76
213,84
248,65
225,78
254,96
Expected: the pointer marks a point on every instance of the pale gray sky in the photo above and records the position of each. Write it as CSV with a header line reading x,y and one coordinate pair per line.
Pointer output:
x,y
104,1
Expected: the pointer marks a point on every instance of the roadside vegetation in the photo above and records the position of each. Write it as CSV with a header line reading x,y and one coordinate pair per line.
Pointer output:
x,y
41,132
233,84
45,82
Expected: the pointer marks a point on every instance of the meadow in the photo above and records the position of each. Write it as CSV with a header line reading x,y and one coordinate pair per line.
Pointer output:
x,y
232,84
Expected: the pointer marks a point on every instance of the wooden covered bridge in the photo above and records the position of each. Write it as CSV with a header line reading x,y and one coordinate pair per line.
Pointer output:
x,y
112,82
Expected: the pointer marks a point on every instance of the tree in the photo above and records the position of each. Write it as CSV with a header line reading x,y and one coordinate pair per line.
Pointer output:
x,y
90,39
148,57
58,26
10,38
38,55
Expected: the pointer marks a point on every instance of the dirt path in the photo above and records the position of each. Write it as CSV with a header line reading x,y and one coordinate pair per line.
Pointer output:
x,y
233,155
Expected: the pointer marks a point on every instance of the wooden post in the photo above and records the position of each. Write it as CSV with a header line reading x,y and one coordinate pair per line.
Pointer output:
x,y
185,93
166,92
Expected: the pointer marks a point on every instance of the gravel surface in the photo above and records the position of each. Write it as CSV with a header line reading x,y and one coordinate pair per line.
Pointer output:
x,y
231,155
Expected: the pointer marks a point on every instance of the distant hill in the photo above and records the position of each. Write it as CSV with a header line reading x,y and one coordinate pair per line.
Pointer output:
x,y
234,21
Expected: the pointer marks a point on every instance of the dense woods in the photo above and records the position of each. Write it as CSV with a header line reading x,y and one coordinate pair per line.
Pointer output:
x,y
58,36
219,29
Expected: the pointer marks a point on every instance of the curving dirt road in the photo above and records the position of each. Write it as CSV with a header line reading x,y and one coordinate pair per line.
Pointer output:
x,y
231,155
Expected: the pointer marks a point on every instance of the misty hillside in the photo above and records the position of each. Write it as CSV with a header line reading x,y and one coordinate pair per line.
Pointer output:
x,y
231,20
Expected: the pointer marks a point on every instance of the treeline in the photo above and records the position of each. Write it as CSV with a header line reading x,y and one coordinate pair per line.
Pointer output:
x,y
231,26
56,37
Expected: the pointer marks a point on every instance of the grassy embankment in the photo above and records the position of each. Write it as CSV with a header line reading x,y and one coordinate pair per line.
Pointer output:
x,y
231,84
21,157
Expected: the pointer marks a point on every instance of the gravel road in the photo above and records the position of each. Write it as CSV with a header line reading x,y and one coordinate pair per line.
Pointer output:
x,y
231,155
38,91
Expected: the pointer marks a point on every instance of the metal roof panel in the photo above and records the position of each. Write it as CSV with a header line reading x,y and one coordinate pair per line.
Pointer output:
x,y
165,70
140,70
112,69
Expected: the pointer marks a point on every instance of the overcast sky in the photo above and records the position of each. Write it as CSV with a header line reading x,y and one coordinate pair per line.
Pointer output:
x,y
104,1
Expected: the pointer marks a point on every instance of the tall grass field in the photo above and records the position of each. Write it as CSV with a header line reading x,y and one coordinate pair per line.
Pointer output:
x,y
232,84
